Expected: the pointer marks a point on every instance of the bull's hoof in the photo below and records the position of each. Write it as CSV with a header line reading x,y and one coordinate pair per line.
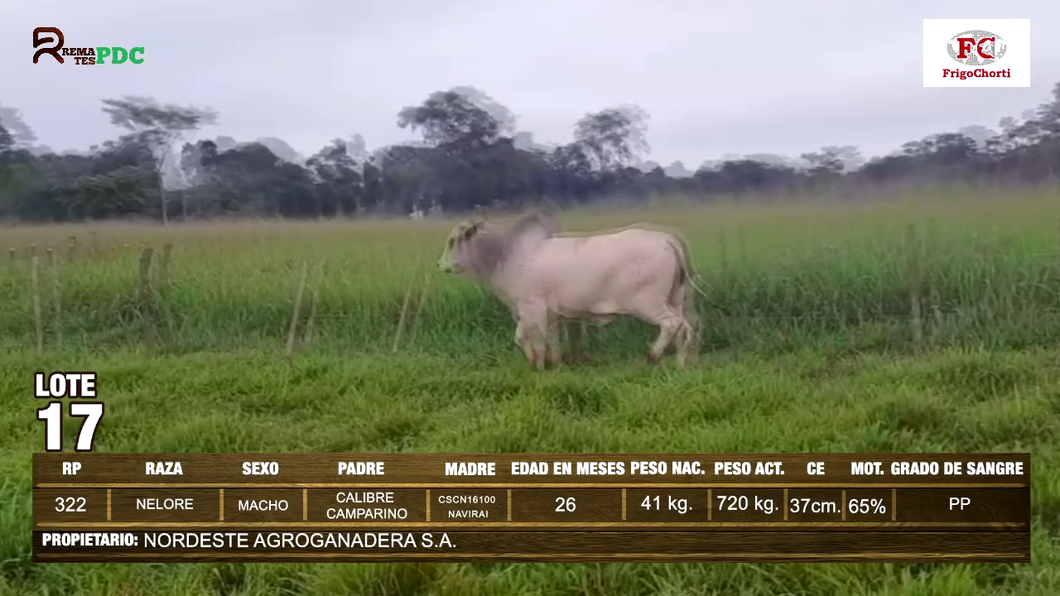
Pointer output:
x,y
654,359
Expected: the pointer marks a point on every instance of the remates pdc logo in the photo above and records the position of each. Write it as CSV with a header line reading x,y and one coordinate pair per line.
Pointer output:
x,y
976,47
50,41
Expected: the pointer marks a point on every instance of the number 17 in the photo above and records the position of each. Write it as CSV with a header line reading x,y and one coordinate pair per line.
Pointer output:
x,y
52,415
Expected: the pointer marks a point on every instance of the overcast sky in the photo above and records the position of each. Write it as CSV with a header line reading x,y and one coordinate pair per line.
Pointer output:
x,y
716,77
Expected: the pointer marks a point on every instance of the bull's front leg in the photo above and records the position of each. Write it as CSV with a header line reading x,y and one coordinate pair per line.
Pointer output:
x,y
524,341
530,334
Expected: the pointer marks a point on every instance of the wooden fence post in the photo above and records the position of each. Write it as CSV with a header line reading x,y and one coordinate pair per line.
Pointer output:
x,y
913,280
931,237
314,300
741,239
297,309
146,292
419,307
163,287
405,307
37,316
723,251
163,266
145,275
53,266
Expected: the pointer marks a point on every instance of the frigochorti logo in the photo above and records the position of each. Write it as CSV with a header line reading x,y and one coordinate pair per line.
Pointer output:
x,y
976,48
977,53
54,45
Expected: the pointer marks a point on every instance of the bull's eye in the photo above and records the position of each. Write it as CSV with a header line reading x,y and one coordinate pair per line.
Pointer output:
x,y
451,242
469,233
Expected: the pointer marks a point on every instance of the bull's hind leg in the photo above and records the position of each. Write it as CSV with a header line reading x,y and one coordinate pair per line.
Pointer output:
x,y
553,344
522,339
575,340
687,336
669,323
686,342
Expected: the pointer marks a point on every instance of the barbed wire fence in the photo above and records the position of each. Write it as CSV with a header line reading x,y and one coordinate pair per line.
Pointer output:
x,y
150,305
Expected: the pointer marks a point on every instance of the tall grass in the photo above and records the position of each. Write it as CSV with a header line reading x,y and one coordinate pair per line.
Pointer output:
x,y
818,280
985,269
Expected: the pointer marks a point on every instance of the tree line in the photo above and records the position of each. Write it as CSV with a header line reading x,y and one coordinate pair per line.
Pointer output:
x,y
471,156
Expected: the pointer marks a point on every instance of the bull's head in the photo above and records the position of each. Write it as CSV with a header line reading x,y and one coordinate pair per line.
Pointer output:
x,y
456,256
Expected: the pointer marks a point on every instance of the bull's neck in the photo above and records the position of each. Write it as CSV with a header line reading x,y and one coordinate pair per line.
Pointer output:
x,y
504,271
500,280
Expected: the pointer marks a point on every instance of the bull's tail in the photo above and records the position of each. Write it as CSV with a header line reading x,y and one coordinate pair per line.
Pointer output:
x,y
684,259
685,282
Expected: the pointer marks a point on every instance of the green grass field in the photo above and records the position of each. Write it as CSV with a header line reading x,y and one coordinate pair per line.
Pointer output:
x,y
811,343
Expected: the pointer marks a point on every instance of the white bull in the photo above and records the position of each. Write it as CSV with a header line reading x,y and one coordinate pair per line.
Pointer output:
x,y
543,278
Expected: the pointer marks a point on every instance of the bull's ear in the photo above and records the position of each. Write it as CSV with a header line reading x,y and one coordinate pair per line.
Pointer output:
x,y
473,228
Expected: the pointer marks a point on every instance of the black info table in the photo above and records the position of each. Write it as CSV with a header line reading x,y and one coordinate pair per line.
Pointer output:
x,y
152,507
